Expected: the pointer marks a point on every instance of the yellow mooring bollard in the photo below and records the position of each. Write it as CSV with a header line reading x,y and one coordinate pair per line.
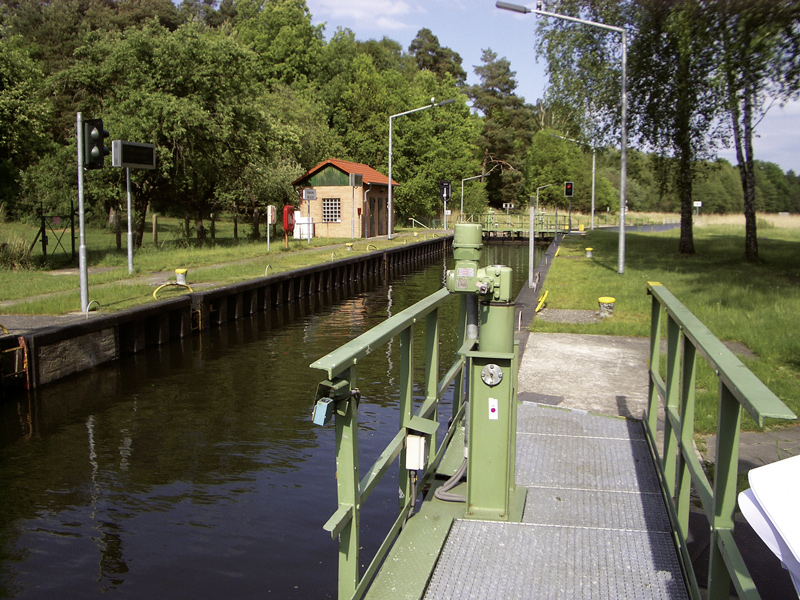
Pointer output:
x,y
606,306
180,281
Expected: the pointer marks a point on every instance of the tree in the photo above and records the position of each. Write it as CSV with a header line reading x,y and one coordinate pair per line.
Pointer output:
x,y
551,161
388,55
671,97
280,32
675,101
136,13
193,93
431,146
507,127
547,114
772,187
476,200
793,201
360,112
25,114
430,56
760,63
584,65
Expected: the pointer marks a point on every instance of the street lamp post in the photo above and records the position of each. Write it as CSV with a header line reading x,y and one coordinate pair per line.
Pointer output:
x,y
462,188
433,104
594,166
624,101
532,236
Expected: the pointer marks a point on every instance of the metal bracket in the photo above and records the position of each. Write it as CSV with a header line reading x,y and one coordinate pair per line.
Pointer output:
x,y
329,393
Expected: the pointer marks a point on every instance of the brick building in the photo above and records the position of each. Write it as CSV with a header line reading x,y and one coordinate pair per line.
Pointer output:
x,y
351,199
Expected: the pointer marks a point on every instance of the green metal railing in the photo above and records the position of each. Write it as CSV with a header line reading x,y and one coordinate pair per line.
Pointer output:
x,y
514,222
680,468
341,391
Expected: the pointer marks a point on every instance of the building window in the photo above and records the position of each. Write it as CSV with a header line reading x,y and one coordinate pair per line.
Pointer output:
x,y
331,210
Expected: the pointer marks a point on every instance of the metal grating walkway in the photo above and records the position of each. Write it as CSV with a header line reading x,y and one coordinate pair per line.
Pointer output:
x,y
594,526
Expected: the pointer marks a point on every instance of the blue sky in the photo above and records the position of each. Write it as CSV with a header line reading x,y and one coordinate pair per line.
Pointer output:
x,y
470,26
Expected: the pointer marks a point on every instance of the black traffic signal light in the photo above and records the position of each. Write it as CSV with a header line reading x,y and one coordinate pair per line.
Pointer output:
x,y
568,189
94,149
445,190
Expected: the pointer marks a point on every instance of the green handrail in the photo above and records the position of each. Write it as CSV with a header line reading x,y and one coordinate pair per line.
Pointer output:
x,y
415,222
679,466
341,388
516,222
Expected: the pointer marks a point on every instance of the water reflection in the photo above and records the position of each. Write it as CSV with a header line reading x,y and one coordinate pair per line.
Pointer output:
x,y
193,469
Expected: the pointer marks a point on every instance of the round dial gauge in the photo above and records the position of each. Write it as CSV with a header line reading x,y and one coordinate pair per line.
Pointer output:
x,y
492,374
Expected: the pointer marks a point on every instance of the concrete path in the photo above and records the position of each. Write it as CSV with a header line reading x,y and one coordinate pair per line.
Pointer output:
x,y
20,324
598,373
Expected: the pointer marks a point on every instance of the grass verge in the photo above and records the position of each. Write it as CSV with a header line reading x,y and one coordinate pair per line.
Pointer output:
x,y
52,286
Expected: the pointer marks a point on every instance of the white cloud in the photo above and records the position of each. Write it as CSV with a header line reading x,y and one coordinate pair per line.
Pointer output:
x,y
381,14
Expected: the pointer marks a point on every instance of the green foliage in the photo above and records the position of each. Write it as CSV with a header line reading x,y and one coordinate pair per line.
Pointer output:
x,y
476,199
584,64
280,33
507,127
757,44
692,66
431,146
430,56
240,97
15,255
551,161
51,184
25,113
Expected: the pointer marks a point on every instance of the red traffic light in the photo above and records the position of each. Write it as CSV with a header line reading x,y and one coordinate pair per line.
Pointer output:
x,y
568,188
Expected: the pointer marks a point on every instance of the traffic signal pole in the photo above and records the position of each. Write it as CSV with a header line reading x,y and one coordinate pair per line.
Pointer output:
x,y
84,276
623,109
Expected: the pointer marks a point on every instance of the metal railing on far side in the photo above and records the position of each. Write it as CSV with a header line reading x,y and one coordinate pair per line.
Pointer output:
x,y
739,388
338,397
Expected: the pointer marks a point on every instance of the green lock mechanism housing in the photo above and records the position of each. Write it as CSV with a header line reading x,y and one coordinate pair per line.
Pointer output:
x,y
493,361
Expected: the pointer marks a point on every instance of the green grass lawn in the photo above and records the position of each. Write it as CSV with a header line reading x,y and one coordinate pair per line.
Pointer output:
x,y
755,303
216,262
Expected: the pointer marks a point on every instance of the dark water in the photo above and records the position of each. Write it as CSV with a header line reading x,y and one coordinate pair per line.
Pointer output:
x,y
194,471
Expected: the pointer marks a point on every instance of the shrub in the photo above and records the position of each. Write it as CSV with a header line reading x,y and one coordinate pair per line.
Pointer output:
x,y
15,255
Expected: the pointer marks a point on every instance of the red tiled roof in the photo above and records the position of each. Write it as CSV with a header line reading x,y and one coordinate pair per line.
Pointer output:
x,y
369,174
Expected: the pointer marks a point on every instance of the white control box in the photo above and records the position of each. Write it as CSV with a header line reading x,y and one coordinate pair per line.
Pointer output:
x,y
416,452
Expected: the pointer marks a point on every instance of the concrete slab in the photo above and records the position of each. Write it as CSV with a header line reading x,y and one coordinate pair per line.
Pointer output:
x,y
562,315
759,448
20,324
597,373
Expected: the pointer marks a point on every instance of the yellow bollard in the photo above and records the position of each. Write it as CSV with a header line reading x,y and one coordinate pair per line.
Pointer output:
x,y
606,306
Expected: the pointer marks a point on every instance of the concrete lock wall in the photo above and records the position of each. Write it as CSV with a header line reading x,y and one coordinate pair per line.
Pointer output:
x,y
59,351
